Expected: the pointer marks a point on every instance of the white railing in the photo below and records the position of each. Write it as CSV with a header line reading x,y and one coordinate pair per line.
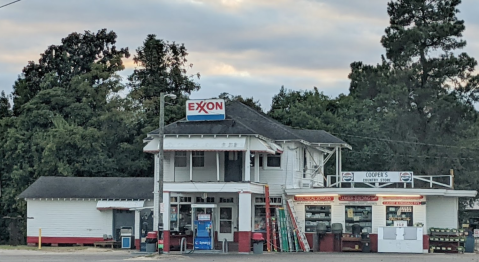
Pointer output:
x,y
421,181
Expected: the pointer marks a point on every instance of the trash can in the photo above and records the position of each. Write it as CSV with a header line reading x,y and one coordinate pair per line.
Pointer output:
x,y
258,242
365,242
151,239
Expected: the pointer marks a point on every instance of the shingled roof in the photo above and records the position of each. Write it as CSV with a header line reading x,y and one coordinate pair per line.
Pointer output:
x,y
91,187
243,120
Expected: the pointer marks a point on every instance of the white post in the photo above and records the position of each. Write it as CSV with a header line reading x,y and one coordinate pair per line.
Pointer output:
x,y
166,211
337,167
217,166
137,224
247,164
191,166
256,166
244,216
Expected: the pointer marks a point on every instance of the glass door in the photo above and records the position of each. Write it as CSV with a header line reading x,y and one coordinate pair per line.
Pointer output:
x,y
226,224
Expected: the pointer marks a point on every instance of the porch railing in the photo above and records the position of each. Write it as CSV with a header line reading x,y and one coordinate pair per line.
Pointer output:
x,y
439,181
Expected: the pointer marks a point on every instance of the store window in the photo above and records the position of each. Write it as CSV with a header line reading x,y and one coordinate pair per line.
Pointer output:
x,y
180,215
361,215
273,160
198,158
251,159
399,213
205,200
180,158
260,211
316,214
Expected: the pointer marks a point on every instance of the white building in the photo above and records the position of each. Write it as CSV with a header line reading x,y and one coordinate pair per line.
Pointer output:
x,y
227,163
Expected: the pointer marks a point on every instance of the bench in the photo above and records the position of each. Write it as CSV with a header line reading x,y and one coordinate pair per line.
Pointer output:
x,y
111,244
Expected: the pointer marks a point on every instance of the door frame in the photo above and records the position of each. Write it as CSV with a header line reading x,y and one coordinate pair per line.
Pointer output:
x,y
234,226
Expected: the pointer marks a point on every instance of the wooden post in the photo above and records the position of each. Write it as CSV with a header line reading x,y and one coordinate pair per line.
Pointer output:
x,y
451,172
39,238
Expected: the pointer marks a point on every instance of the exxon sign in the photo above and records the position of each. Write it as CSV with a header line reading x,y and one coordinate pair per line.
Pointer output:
x,y
205,110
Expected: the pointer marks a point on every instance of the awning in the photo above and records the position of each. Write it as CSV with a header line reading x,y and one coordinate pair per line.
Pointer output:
x,y
212,144
114,204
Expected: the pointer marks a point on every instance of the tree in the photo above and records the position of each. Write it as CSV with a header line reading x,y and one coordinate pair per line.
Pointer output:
x,y
5,108
249,101
62,62
162,67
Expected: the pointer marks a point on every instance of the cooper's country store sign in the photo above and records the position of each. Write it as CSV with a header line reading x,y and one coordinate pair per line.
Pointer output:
x,y
377,177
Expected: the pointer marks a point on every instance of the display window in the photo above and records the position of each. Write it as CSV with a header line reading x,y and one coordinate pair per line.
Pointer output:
x,y
398,214
361,215
180,217
316,214
259,222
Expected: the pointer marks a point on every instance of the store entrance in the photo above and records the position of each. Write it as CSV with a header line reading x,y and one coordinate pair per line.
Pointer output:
x,y
226,223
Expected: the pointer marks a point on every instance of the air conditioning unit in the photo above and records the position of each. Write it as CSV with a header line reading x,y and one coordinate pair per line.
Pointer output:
x,y
305,183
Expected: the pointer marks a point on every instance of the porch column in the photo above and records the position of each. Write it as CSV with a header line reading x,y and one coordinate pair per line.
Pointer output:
x,y
217,166
137,229
166,222
191,166
256,167
244,220
247,164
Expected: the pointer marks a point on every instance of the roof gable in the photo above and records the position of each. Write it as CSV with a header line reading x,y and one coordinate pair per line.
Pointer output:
x,y
243,120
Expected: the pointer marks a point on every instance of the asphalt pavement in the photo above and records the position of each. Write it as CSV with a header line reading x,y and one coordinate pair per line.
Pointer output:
x,y
91,255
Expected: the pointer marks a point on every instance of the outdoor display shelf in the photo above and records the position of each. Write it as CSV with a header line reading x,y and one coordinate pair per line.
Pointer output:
x,y
316,214
444,240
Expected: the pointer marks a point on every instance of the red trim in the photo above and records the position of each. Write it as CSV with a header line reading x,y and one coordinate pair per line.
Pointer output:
x,y
65,240
166,241
137,244
244,241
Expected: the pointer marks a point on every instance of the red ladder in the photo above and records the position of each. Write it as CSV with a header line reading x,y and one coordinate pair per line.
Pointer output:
x,y
268,218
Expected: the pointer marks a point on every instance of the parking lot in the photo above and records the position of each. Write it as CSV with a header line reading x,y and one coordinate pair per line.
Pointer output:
x,y
91,254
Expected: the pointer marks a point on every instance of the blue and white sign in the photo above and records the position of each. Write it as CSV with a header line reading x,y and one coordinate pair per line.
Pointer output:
x,y
204,110
377,176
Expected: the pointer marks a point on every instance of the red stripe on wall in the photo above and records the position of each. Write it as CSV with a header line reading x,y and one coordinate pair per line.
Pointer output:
x,y
65,240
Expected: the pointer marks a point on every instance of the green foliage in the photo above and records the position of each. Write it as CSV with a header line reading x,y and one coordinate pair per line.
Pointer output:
x,y
255,104
162,67
59,64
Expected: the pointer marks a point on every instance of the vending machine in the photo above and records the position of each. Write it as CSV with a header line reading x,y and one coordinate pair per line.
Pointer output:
x,y
204,232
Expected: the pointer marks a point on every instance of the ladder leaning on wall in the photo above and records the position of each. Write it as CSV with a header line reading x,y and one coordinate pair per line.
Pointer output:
x,y
303,242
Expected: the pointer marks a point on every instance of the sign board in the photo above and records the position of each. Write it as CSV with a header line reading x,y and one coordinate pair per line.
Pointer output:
x,y
204,217
404,203
162,208
358,198
400,223
476,232
314,198
377,176
204,110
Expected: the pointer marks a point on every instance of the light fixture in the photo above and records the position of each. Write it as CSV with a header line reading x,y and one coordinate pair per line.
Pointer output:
x,y
172,96
385,195
315,195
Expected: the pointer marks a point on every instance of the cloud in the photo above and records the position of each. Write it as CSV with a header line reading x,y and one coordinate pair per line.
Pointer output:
x,y
244,46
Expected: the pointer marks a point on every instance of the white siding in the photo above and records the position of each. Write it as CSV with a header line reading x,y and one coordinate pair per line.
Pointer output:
x,y
419,216
169,167
378,217
206,173
441,212
60,218
338,214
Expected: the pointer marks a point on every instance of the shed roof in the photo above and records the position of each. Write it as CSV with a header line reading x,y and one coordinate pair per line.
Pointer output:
x,y
91,187
242,119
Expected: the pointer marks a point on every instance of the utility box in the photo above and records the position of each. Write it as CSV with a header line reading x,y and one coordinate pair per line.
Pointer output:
x,y
126,234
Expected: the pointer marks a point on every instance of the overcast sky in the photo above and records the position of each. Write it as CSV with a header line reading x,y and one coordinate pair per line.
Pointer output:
x,y
242,47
